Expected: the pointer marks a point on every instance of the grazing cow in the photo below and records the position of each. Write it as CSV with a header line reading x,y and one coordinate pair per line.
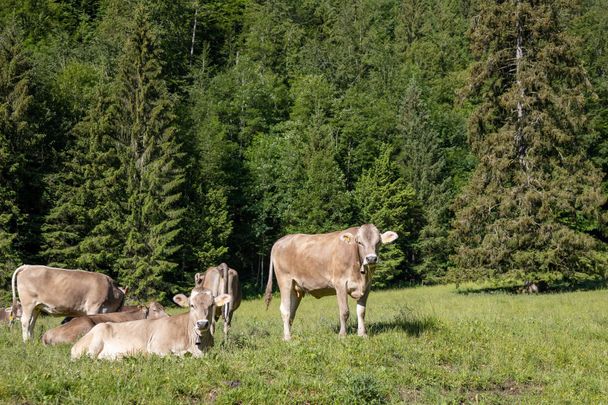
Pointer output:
x,y
8,315
340,263
61,292
77,327
214,279
180,334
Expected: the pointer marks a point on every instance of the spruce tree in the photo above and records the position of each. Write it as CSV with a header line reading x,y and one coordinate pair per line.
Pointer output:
x,y
143,118
423,164
383,198
104,183
532,202
320,201
16,136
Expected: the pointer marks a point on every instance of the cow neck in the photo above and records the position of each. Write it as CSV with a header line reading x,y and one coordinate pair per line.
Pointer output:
x,y
194,340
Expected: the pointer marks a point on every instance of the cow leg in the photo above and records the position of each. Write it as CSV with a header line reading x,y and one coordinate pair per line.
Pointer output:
x,y
343,307
28,321
361,304
227,320
289,304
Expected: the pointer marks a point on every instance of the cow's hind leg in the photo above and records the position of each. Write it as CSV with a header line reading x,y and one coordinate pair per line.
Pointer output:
x,y
289,304
28,321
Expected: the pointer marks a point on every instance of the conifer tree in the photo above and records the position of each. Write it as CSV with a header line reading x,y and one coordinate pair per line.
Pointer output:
x,y
533,199
104,183
17,134
319,199
423,164
383,198
143,117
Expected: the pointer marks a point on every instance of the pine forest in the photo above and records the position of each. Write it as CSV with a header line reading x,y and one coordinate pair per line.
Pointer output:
x,y
151,139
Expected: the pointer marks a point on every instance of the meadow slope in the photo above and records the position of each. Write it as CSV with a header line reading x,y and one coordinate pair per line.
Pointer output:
x,y
426,345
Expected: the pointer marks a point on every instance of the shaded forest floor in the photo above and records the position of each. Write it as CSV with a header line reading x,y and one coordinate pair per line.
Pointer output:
x,y
426,345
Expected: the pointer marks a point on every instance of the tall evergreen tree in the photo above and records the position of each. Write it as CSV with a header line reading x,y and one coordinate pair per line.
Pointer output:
x,y
383,198
423,164
104,184
17,135
534,197
143,116
320,200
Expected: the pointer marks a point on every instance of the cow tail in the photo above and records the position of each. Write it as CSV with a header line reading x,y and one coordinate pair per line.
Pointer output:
x,y
226,309
14,289
268,295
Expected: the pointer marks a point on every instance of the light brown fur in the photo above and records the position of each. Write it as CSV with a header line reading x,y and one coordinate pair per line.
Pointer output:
x,y
61,292
177,335
214,279
77,327
333,263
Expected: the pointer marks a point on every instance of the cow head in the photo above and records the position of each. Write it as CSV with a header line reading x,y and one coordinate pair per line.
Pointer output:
x,y
367,240
201,303
155,311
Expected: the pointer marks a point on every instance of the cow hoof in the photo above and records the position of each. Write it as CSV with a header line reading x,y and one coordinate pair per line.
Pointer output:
x,y
363,335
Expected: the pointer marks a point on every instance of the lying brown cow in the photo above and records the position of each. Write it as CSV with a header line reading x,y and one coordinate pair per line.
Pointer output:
x,y
214,279
8,315
61,292
340,263
180,334
77,327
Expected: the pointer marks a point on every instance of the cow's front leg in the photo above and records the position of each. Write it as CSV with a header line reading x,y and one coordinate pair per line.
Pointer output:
x,y
343,307
361,304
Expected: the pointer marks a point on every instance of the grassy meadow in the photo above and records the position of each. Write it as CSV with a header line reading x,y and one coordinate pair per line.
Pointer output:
x,y
426,345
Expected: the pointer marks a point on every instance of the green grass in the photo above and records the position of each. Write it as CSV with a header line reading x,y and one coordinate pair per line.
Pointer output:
x,y
426,345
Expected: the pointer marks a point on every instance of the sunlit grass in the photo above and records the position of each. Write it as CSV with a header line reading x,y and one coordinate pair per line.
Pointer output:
x,y
427,344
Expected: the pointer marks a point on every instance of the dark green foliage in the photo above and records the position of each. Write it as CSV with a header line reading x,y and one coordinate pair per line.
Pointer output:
x,y
137,143
143,118
17,136
384,198
533,201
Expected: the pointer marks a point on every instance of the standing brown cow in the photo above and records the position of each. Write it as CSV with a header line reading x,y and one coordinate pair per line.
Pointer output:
x,y
223,280
61,292
340,263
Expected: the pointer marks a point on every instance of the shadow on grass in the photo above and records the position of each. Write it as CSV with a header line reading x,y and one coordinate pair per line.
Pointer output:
x,y
544,288
405,321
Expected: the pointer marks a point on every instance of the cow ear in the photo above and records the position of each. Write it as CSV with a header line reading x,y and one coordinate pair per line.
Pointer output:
x,y
388,237
125,290
347,237
222,299
181,300
199,279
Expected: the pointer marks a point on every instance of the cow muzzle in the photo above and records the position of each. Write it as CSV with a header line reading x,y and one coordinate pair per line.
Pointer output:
x,y
201,326
371,259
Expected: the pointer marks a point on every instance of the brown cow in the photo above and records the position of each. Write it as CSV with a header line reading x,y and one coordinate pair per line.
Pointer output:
x,y
214,279
61,292
340,263
8,315
180,334
77,327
